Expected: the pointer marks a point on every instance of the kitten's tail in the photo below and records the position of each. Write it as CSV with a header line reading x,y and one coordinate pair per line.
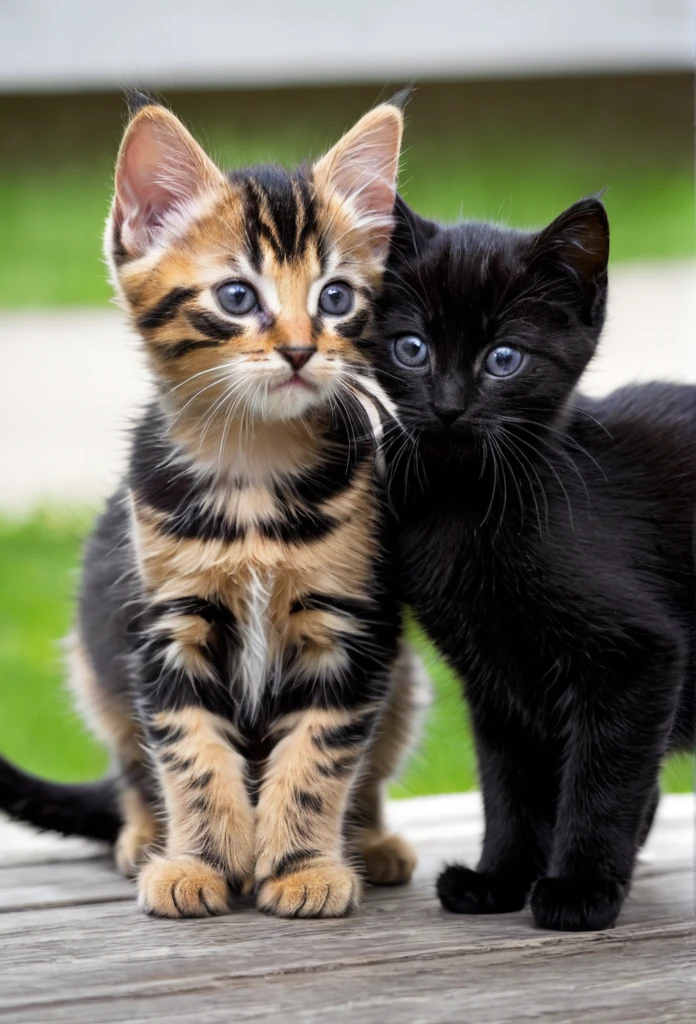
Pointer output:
x,y
87,809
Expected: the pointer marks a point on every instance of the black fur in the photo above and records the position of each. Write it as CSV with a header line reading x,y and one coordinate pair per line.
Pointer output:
x,y
89,810
547,544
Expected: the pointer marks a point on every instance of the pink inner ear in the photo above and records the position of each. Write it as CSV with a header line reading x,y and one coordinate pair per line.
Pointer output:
x,y
160,168
142,196
363,165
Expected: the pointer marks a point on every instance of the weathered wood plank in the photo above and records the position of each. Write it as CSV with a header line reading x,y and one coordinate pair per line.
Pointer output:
x,y
552,982
62,883
83,953
111,949
76,883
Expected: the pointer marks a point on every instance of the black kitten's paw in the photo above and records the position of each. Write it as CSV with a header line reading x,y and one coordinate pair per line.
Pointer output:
x,y
580,905
464,891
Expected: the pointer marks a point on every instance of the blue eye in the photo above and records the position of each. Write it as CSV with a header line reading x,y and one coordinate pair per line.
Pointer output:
x,y
411,350
503,361
336,299
237,298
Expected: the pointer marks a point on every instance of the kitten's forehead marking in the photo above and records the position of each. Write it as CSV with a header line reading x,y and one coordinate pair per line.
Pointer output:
x,y
280,213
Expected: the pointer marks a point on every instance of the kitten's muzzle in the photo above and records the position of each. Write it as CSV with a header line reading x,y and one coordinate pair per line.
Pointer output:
x,y
296,355
447,414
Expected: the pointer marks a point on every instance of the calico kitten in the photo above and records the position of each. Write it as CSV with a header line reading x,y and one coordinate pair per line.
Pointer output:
x,y
237,638
548,544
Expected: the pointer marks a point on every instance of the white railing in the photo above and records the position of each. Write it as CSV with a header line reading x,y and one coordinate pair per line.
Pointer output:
x,y
87,44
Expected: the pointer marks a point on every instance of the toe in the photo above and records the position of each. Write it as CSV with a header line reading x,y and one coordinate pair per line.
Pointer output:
x,y
185,887
463,891
327,889
576,905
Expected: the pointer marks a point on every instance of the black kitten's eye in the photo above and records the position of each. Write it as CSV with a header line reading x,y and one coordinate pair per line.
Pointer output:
x,y
503,361
411,350
336,299
237,298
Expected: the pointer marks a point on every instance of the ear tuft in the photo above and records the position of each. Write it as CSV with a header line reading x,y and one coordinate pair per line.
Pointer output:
x,y
136,100
160,174
362,168
402,98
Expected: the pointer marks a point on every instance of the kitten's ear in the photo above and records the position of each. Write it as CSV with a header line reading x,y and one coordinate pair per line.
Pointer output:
x,y
160,174
579,239
410,236
362,168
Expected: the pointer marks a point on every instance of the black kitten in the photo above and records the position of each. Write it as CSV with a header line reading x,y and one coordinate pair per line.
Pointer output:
x,y
547,542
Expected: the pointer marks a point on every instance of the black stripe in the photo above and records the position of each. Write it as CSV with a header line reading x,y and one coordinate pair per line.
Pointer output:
x,y
338,768
354,327
309,228
213,326
180,764
201,781
213,613
317,328
193,522
298,525
309,801
276,184
176,349
165,735
166,309
251,218
119,252
291,861
345,735
330,478
279,252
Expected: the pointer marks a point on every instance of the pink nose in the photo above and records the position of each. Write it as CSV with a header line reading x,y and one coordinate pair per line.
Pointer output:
x,y
297,355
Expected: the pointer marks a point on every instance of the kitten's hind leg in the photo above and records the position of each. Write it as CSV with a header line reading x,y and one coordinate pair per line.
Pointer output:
x,y
388,858
111,719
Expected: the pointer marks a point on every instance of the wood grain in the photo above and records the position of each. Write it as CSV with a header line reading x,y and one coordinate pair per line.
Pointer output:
x,y
74,948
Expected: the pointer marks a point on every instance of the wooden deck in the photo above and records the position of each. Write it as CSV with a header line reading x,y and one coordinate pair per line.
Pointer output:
x,y
73,947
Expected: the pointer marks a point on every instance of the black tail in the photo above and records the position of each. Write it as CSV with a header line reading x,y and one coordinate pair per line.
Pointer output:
x,y
89,809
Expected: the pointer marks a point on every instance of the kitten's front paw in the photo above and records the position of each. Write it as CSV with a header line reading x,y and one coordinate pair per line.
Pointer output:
x,y
579,905
184,887
325,889
464,891
389,861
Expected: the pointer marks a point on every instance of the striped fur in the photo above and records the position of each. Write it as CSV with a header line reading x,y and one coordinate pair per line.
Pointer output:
x,y
239,625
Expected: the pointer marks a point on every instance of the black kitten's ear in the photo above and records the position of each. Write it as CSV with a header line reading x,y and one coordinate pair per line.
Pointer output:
x,y
411,234
578,239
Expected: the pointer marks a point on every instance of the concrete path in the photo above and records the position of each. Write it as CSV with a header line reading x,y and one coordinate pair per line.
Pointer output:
x,y
71,381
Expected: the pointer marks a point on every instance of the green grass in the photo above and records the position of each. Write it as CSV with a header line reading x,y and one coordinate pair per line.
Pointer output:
x,y
38,559
519,152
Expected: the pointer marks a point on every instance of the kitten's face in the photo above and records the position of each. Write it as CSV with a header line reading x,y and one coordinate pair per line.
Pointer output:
x,y
251,290
482,328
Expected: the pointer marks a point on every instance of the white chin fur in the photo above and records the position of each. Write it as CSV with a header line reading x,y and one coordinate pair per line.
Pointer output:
x,y
288,403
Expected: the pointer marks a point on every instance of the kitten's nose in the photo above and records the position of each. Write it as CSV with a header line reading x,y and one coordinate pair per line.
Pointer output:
x,y
297,355
446,414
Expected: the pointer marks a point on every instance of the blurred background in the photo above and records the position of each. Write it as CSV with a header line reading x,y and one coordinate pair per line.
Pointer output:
x,y
519,109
